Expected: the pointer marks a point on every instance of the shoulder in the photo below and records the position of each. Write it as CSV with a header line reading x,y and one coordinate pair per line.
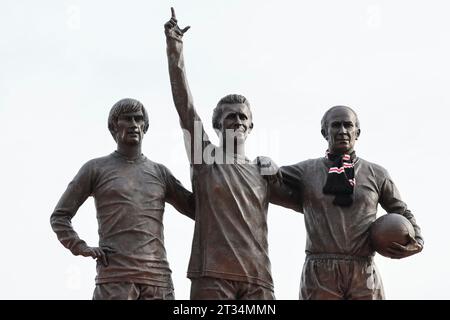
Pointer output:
x,y
92,168
296,172
98,162
311,162
373,168
305,164
153,165
157,168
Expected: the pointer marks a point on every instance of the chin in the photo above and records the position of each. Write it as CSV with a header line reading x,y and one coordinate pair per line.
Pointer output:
x,y
133,142
340,150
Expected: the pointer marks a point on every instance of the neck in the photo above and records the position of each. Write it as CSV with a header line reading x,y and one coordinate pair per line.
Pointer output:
x,y
341,152
131,152
337,155
237,149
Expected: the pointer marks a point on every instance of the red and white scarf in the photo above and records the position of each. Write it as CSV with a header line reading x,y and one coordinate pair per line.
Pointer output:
x,y
341,178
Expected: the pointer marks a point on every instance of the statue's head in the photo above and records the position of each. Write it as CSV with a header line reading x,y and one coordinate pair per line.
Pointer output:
x,y
128,121
232,116
340,127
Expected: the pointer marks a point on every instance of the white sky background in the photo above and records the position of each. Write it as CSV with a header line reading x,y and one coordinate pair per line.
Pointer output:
x,y
63,64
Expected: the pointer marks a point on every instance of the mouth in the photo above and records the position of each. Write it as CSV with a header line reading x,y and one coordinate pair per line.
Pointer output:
x,y
342,139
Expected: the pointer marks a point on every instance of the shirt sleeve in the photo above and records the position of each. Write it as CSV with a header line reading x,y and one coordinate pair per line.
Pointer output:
x,y
180,198
282,193
78,190
390,201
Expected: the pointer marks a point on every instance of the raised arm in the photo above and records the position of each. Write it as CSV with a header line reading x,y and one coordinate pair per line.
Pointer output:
x,y
181,93
180,89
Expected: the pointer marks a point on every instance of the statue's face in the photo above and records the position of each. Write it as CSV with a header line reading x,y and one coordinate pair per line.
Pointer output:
x,y
130,128
236,120
341,132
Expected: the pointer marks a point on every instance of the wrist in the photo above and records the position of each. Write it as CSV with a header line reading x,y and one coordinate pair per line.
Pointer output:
x,y
170,39
79,247
420,241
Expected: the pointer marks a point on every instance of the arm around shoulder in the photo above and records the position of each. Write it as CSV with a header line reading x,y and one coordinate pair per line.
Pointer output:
x,y
280,193
178,196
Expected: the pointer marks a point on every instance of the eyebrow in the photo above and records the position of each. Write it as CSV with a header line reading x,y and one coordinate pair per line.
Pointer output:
x,y
237,112
131,115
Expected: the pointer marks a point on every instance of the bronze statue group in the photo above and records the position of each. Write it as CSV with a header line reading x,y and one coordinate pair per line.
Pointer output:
x,y
338,195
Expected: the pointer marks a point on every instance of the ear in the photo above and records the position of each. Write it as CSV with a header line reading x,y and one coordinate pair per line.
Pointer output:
x,y
358,133
216,123
114,132
217,128
324,134
250,128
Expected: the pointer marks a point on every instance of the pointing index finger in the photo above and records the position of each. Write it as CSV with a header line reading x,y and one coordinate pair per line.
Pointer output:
x,y
173,12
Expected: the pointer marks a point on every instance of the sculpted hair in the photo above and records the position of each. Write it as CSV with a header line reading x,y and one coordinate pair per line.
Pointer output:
x,y
228,99
324,121
125,106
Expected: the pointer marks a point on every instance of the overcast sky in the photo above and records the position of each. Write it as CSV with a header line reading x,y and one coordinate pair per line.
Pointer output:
x,y
63,64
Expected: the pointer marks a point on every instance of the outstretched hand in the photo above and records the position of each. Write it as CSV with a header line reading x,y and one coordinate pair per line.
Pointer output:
x,y
269,169
398,251
172,29
98,253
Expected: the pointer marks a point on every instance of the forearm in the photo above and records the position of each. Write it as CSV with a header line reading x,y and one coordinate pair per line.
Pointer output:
x,y
279,192
290,187
73,197
282,195
180,89
180,198
391,202
408,215
187,206
61,224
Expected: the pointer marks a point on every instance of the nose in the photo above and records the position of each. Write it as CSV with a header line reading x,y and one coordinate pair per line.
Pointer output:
x,y
239,120
342,129
239,123
133,122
